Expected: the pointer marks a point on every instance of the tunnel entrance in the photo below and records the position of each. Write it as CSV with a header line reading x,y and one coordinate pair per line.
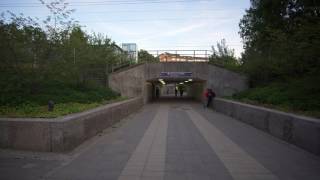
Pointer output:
x,y
178,89
141,80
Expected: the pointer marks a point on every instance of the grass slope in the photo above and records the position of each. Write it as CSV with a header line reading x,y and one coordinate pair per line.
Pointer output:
x,y
301,96
68,99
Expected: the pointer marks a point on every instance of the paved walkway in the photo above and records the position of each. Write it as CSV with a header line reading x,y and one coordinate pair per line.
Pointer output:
x,y
170,140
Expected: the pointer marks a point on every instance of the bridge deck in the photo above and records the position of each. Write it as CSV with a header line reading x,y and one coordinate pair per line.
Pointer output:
x,y
170,140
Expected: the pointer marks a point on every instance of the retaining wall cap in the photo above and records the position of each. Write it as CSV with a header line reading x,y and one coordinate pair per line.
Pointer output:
x,y
69,117
271,110
127,68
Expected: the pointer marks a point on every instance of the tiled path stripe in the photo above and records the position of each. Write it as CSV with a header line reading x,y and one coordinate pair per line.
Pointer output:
x,y
148,159
240,164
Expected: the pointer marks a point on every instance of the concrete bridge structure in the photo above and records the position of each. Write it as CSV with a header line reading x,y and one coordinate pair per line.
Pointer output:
x,y
141,80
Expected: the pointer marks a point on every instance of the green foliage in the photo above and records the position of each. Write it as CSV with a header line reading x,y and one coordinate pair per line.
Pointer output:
x,y
294,95
145,56
224,57
55,61
68,99
59,93
27,110
282,57
281,39
62,52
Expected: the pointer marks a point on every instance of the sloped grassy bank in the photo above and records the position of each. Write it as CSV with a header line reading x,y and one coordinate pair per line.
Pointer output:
x,y
67,99
300,96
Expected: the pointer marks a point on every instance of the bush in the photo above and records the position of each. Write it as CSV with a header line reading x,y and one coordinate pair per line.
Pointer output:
x,y
295,95
67,98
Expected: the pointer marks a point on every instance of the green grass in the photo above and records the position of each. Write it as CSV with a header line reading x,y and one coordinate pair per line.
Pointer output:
x,y
300,96
61,109
68,99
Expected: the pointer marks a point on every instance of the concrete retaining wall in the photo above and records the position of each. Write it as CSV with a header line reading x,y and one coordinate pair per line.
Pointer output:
x,y
298,130
65,133
129,82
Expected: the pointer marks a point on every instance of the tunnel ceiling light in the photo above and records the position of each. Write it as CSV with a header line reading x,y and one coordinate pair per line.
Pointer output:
x,y
189,79
162,81
186,81
181,83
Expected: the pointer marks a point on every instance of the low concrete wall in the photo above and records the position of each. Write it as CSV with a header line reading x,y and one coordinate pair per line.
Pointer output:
x,y
65,133
298,130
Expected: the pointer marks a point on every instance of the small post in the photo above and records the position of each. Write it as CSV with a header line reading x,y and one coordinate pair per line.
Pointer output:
x,y
50,105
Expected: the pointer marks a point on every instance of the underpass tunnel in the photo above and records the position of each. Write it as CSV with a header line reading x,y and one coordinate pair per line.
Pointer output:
x,y
176,88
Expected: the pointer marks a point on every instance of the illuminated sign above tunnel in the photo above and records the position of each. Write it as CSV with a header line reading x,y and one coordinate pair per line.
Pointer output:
x,y
175,74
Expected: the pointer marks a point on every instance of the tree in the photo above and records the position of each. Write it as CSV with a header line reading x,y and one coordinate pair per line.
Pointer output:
x,y
23,52
281,39
60,18
145,56
222,50
33,56
223,56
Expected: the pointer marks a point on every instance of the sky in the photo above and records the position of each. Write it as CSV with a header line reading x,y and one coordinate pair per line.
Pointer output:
x,y
153,24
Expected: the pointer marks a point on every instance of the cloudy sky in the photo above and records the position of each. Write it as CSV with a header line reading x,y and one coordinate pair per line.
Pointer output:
x,y
153,24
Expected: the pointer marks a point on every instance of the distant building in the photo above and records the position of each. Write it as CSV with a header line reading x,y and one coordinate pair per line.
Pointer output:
x,y
131,49
169,57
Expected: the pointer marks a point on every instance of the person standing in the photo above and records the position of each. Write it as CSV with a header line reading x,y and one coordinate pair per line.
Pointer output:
x,y
209,94
181,91
176,91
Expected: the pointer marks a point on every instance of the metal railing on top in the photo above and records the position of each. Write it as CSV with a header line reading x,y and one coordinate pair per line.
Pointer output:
x,y
182,55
